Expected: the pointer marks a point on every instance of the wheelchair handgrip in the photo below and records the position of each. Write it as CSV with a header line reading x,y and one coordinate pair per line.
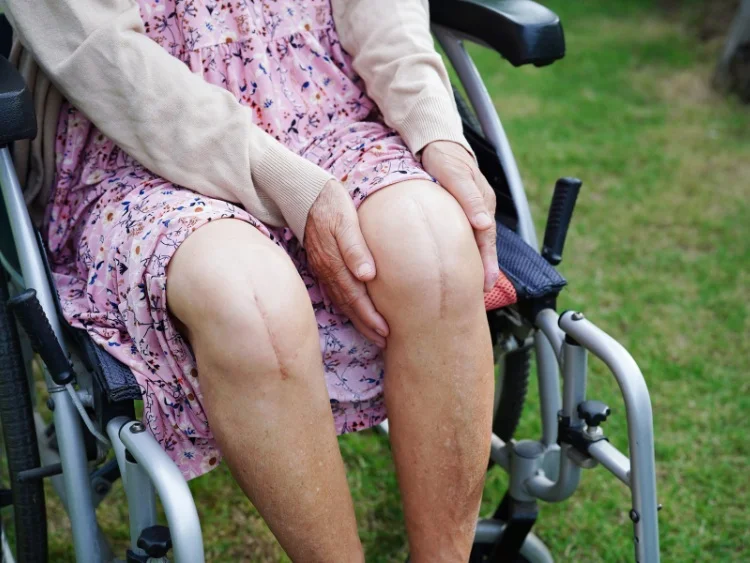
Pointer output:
x,y
558,220
33,320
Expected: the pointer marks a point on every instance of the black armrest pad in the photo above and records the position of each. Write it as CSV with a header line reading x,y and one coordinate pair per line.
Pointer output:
x,y
17,120
522,31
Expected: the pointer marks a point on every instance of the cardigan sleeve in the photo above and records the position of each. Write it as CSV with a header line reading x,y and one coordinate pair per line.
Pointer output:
x,y
393,52
176,124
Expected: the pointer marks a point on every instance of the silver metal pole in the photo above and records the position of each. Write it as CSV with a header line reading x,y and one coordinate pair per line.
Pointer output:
x,y
493,130
113,432
75,475
640,428
173,491
574,392
548,344
566,484
499,452
574,380
612,459
141,502
547,320
138,487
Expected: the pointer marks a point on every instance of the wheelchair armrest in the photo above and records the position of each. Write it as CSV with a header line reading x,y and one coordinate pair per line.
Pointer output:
x,y
522,31
17,119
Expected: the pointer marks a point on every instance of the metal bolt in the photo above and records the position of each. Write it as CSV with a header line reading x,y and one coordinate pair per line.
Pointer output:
x,y
51,404
634,516
577,316
137,428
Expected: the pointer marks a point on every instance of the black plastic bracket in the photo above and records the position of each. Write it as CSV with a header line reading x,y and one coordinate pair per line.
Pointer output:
x,y
519,518
156,541
558,220
574,435
132,557
30,315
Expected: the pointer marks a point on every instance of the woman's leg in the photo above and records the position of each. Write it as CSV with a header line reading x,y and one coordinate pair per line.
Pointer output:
x,y
248,318
439,368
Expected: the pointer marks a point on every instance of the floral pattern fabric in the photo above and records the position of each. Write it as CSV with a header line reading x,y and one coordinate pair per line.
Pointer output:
x,y
113,226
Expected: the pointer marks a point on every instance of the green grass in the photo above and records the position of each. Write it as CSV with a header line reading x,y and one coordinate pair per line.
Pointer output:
x,y
658,256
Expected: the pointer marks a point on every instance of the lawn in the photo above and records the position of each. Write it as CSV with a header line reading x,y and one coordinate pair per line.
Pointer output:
x,y
658,256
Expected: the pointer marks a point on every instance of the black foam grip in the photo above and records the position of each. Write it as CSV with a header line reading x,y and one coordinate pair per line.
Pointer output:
x,y
558,220
34,321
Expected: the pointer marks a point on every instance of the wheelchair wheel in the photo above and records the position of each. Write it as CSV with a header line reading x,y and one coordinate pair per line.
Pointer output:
x,y
510,392
27,533
468,117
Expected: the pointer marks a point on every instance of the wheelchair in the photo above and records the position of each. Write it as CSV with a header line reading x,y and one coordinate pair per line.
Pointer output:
x,y
92,395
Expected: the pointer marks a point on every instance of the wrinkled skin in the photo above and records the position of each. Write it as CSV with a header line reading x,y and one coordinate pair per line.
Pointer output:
x,y
338,253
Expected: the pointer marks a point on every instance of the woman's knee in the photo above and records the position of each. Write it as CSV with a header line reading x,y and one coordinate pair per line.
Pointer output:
x,y
240,297
425,252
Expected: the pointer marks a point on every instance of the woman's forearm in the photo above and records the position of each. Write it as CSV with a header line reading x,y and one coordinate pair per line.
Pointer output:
x,y
394,53
170,120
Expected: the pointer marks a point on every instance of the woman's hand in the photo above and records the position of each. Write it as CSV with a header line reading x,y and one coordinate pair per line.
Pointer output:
x,y
339,257
455,169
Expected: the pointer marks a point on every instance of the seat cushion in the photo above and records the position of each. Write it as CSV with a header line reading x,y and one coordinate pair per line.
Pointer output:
x,y
112,376
527,275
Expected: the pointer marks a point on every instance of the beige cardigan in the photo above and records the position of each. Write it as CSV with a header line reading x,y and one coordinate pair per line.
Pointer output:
x,y
96,53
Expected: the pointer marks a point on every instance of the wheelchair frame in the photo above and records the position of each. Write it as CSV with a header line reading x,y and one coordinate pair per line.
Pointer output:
x,y
548,469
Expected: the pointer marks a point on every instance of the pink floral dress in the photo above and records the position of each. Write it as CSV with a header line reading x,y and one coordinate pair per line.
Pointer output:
x,y
113,226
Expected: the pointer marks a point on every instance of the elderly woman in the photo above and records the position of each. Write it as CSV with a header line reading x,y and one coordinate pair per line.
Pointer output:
x,y
268,211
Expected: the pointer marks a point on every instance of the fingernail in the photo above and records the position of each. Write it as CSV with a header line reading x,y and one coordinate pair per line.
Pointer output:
x,y
482,220
364,270
381,332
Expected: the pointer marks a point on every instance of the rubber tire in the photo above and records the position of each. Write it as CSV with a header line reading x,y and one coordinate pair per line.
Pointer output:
x,y
19,438
467,114
510,393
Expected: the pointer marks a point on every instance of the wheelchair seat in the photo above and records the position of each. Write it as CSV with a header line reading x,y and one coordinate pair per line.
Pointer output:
x,y
530,275
522,31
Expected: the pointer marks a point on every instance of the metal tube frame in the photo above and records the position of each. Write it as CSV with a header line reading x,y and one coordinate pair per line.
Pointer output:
x,y
153,470
529,477
138,488
640,430
641,477
79,502
548,345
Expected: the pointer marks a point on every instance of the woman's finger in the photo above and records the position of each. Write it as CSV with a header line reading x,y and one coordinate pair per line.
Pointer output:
x,y
462,185
486,242
353,247
351,298
363,329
